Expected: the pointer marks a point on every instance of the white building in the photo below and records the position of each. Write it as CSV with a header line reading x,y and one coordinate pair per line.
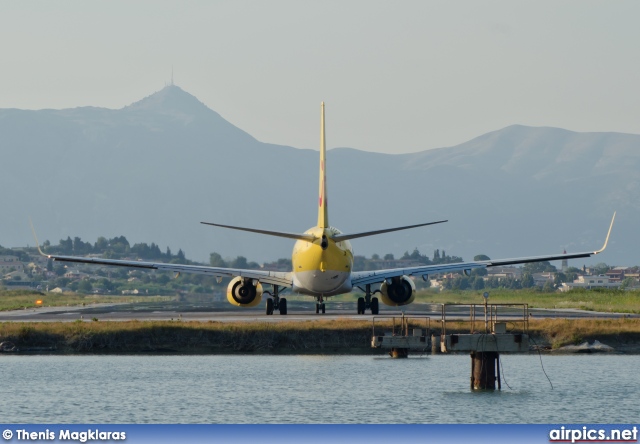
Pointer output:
x,y
588,282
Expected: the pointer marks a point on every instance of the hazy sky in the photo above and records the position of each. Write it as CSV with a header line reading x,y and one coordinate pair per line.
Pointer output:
x,y
396,76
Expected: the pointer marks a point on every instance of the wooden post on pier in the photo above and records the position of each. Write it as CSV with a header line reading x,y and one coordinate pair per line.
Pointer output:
x,y
483,370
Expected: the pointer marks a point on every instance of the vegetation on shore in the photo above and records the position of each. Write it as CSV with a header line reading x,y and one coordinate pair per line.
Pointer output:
x,y
192,337
312,337
622,333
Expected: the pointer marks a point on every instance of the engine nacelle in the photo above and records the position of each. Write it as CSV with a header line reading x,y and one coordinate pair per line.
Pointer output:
x,y
243,293
401,291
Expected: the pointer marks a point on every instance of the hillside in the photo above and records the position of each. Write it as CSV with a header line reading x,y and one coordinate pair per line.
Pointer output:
x,y
153,170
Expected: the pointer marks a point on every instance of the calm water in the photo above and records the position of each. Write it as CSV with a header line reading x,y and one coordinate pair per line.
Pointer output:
x,y
314,389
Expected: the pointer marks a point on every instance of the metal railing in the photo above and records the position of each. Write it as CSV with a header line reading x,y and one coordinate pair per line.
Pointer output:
x,y
516,314
404,325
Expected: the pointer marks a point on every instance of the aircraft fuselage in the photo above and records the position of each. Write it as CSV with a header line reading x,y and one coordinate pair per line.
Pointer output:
x,y
322,267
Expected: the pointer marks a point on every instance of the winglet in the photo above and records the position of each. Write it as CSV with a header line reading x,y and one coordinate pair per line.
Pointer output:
x,y
606,241
33,230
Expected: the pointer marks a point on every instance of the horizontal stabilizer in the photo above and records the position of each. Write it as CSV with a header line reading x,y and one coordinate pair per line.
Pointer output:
x,y
342,237
307,237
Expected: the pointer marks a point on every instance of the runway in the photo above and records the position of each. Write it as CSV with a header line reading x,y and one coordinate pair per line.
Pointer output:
x,y
298,311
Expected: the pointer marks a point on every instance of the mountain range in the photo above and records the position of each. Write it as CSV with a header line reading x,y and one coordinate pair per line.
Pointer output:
x,y
153,170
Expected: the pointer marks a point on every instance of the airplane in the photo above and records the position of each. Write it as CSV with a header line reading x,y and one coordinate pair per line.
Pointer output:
x,y
322,262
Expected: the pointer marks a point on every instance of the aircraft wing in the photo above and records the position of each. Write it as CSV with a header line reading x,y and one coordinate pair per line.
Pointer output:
x,y
375,276
268,277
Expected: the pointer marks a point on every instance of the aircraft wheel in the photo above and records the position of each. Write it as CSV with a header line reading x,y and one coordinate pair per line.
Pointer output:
x,y
322,307
283,306
361,306
269,306
375,307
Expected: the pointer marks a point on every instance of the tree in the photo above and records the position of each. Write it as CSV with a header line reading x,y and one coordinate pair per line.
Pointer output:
x,y
548,287
560,277
375,257
84,286
66,246
80,247
538,267
239,262
119,245
511,283
527,280
458,282
62,281
285,263
389,257
180,257
359,263
628,282
106,284
101,245
141,250
481,257
155,251
461,283
492,282
215,260
478,283
600,268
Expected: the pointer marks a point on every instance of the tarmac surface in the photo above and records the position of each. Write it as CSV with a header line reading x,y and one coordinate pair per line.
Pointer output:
x,y
297,311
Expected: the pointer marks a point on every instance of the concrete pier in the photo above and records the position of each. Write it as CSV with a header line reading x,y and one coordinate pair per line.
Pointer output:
x,y
485,348
404,337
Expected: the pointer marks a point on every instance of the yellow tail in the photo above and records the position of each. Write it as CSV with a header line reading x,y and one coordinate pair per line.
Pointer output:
x,y
323,214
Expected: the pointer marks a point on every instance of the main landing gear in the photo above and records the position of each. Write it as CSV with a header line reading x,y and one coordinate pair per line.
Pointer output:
x,y
275,302
367,302
320,305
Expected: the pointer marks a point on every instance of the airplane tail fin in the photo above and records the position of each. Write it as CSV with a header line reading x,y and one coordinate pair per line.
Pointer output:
x,y
323,215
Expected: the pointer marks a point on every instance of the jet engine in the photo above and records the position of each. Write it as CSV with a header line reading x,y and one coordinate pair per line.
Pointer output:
x,y
398,291
244,292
